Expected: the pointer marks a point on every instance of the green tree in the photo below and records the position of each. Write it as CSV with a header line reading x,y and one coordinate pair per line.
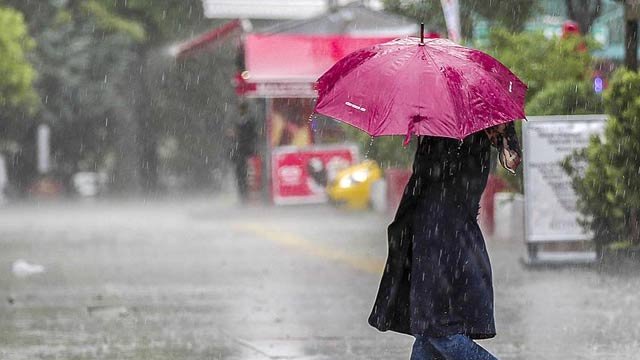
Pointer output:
x,y
80,65
509,14
158,22
429,12
16,73
540,61
608,186
556,71
566,98
18,98
194,105
103,66
512,14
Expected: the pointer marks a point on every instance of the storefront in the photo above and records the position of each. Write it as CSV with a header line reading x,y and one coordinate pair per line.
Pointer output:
x,y
279,65
281,70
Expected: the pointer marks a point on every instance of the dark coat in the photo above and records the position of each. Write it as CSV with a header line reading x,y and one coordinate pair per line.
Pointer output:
x,y
437,278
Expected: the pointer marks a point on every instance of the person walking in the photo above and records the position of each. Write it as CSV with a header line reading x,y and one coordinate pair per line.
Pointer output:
x,y
437,282
244,138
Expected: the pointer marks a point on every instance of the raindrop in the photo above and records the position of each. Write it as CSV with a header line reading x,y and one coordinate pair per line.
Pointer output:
x,y
366,155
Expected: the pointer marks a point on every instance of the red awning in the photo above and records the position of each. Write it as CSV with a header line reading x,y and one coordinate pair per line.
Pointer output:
x,y
285,65
207,39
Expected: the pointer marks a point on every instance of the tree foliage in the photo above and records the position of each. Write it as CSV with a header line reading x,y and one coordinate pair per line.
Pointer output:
x,y
161,21
16,73
106,20
566,97
193,106
511,14
157,21
608,185
540,61
109,88
429,12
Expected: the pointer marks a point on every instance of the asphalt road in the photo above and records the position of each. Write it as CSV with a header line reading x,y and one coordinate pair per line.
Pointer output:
x,y
207,279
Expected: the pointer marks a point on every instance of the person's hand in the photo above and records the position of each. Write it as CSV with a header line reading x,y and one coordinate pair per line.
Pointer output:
x,y
510,160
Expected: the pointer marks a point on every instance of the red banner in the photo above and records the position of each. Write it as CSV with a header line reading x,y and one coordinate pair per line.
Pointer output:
x,y
301,175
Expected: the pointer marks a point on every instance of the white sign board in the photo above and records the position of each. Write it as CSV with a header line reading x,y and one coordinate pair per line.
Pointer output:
x,y
267,9
550,202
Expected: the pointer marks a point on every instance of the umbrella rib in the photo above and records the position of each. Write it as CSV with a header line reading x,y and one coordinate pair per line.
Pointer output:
x,y
501,89
390,55
492,79
515,105
396,84
445,81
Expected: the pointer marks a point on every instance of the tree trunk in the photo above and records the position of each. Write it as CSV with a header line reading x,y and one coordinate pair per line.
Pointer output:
x,y
584,12
631,45
148,153
126,177
147,135
635,227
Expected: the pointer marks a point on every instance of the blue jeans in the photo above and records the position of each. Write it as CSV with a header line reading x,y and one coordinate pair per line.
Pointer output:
x,y
455,347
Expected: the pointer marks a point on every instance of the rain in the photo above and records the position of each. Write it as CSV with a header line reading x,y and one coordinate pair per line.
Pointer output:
x,y
319,179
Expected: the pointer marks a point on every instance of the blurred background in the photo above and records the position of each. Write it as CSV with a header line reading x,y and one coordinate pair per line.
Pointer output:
x,y
167,193
140,97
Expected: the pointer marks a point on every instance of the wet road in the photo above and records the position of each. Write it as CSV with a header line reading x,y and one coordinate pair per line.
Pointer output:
x,y
205,279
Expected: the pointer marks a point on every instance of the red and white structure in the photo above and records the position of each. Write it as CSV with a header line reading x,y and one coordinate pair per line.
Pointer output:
x,y
281,64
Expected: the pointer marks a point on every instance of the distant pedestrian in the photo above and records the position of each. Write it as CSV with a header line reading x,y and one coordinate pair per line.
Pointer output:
x,y
437,283
244,139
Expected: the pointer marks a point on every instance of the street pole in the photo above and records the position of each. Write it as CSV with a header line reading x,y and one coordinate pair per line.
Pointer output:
x,y
43,145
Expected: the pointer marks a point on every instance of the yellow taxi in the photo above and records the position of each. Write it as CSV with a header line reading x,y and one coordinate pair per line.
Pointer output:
x,y
352,186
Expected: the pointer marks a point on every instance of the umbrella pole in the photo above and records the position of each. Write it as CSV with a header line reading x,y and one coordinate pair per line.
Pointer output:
x,y
422,33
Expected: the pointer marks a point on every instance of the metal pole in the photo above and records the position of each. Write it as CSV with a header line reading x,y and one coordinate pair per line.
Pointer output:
x,y
43,143
268,148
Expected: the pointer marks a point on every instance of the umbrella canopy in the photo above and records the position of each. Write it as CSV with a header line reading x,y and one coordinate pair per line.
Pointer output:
x,y
407,86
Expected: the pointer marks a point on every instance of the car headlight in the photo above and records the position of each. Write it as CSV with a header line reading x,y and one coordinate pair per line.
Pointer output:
x,y
355,178
345,182
360,176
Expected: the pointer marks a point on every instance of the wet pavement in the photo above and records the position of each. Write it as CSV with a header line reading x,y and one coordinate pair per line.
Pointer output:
x,y
207,279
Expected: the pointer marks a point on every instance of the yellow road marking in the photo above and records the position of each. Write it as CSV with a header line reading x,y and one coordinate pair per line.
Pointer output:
x,y
373,266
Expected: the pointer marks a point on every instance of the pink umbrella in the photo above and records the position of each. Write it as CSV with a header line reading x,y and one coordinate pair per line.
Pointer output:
x,y
429,87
